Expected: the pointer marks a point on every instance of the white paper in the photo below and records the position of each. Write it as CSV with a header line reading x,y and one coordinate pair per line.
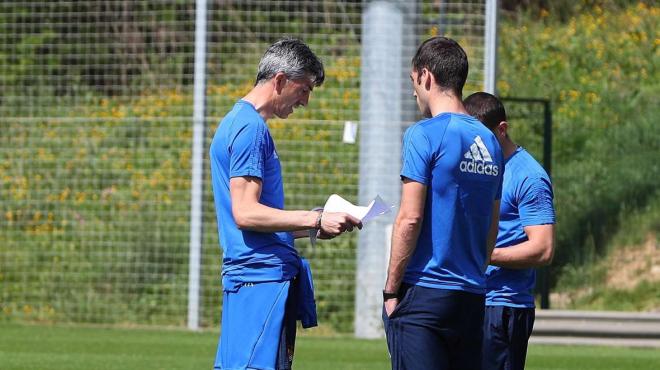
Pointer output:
x,y
376,207
350,130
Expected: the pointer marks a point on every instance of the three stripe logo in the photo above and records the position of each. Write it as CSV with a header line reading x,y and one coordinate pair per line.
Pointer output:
x,y
478,151
478,160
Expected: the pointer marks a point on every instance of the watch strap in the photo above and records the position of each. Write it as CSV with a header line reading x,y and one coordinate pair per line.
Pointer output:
x,y
389,295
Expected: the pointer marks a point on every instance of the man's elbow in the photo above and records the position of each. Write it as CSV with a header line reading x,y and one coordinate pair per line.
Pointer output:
x,y
242,219
546,255
409,221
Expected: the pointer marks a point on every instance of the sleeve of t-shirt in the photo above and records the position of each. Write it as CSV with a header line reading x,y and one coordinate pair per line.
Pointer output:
x,y
535,204
247,151
416,156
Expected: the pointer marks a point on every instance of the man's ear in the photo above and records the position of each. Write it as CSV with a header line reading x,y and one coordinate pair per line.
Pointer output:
x,y
502,128
428,78
280,80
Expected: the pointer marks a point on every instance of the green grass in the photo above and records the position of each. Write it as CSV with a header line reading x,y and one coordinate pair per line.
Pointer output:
x,y
73,347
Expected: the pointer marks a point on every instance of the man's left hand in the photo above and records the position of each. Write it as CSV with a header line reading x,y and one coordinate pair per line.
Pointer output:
x,y
390,305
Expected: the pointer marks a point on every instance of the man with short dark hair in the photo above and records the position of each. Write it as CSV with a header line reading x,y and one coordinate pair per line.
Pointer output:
x,y
447,222
263,277
525,241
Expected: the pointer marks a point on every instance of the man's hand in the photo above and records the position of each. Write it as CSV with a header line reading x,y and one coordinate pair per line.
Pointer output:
x,y
323,236
390,305
335,223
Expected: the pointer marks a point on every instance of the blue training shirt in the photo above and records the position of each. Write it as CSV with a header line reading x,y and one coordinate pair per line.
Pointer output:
x,y
460,162
526,201
243,146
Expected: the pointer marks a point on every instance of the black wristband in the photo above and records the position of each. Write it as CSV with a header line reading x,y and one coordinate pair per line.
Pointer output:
x,y
389,295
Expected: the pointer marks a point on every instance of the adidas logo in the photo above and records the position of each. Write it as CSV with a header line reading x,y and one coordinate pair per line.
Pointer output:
x,y
477,160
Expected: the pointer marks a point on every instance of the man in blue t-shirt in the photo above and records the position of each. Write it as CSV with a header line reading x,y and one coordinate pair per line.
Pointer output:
x,y
447,222
263,277
525,240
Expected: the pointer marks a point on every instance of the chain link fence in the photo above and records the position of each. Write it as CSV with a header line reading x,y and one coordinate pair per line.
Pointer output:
x,y
95,147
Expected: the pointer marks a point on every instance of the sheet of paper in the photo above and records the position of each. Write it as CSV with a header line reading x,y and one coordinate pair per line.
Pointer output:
x,y
350,132
376,207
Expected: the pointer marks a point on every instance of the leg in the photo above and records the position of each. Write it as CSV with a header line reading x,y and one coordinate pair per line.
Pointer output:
x,y
520,327
415,339
288,336
252,320
465,322
495,342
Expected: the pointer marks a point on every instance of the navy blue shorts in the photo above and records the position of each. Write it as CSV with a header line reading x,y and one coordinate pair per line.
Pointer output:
x,y
506,332
435,329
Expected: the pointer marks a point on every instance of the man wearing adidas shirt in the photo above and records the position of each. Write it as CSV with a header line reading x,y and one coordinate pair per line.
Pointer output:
x,y
525,240
447,222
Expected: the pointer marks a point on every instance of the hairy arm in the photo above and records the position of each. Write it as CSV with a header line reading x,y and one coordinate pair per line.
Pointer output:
x,y
249,214
537,251
491,239
405,232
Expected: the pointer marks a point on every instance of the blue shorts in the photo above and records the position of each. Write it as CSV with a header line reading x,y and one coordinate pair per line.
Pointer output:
x,y
506,332
435,329
258,327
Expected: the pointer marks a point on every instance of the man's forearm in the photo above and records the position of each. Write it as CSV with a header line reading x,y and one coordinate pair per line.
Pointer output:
x,y
258,217
520,256
404,240
491,238
537,251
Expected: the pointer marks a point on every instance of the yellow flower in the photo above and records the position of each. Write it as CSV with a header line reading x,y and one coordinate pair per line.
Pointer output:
x,y
80,197
64,194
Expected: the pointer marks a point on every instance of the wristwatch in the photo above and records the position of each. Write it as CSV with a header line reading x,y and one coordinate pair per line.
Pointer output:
x,y
389,295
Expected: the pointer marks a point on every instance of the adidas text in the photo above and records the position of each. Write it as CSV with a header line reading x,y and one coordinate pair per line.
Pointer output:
x,y
479,168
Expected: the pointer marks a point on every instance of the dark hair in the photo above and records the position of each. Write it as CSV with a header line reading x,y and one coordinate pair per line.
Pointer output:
x,y
486,108
446,60
293,58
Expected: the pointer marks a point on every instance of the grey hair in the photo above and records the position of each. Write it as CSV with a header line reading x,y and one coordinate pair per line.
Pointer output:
x,y
293,58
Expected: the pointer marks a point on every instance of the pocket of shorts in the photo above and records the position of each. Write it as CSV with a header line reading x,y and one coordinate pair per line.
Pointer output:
x,y
404,302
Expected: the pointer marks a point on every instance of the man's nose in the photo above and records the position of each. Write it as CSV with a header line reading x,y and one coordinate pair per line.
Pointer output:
x,y
304,100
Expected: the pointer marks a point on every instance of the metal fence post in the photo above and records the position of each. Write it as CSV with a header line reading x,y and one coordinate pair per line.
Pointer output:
x,y
388,38
197,182
490,45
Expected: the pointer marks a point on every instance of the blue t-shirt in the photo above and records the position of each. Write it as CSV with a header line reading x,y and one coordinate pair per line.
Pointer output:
x,y
526,201
242,146
460,162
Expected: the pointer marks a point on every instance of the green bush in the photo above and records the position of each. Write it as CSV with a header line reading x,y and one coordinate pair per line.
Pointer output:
x,y
599,72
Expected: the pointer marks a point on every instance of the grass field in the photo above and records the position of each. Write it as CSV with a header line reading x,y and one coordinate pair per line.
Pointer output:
x,y
32,347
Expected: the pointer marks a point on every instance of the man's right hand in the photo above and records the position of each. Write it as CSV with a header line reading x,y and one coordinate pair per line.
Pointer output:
x,y
335,223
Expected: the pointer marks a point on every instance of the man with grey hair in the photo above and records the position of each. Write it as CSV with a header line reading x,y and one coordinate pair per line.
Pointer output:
x,y
266,285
